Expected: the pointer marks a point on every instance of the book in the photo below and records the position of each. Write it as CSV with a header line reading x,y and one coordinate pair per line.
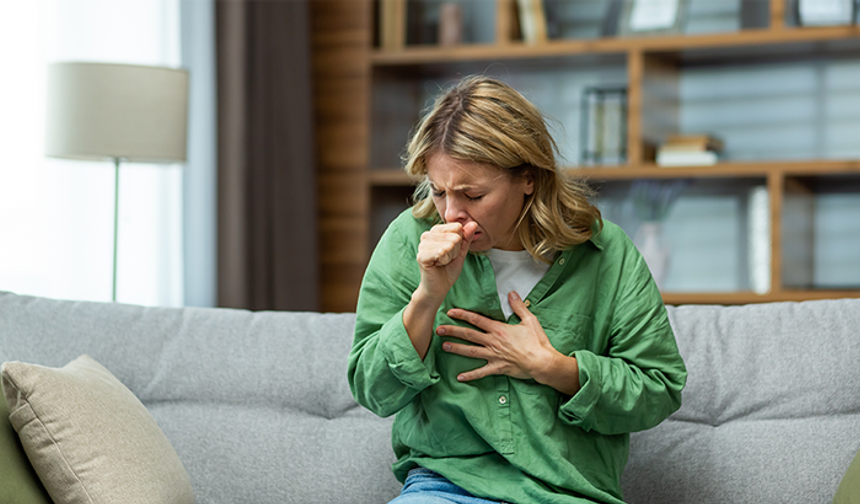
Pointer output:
x,y
686,158
689,150
692,143
392,24
507,21
826,12
532,21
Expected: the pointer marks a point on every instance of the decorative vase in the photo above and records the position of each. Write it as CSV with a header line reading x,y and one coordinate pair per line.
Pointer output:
x,y
650,239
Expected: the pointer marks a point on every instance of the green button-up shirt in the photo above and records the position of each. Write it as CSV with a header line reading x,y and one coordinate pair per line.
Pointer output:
x,y
504,438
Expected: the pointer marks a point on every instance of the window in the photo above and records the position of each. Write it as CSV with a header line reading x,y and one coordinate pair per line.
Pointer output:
x,y
56,216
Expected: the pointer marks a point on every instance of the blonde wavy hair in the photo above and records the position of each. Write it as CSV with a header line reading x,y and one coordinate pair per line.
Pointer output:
x,y
485,121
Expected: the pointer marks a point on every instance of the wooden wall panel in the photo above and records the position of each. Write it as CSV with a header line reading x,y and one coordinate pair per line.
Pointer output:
x,y
341,195
342,38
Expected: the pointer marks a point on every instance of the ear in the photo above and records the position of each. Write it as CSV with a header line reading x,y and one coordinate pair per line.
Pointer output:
x,y
529,180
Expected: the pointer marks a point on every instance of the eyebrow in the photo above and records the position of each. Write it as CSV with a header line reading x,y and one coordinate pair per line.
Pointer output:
x,y
458,188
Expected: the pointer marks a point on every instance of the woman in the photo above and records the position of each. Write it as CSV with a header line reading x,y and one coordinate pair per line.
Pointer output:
x,y
518,338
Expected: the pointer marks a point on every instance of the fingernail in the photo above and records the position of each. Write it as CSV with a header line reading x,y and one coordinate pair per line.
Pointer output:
x,y
446,346
440,330
515,296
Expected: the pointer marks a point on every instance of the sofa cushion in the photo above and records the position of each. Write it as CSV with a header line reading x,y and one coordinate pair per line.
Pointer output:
x,y
89,438
18,481
770,412
256,404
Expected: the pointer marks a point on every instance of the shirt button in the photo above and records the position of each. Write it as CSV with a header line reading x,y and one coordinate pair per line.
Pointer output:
x,y
503,400
528,303
561,261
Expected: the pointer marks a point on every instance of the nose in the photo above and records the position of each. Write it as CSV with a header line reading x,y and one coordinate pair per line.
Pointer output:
x,y
454,211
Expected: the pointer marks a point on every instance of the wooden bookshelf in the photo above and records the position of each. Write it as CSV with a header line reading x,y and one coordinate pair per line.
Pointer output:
x,y
355,72
796,41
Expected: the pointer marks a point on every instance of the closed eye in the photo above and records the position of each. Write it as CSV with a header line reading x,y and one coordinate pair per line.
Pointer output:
x,y
438,194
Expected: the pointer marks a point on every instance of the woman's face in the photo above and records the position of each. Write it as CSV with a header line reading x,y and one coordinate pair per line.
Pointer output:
x,y
465,192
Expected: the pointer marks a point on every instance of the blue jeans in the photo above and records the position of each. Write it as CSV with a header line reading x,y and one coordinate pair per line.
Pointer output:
x,y
423,486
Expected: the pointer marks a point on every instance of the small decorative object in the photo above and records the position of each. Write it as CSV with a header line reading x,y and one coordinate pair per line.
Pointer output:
x,y
825,12
641,17
758,242
450,24
652,200
603,129
532,21
651,241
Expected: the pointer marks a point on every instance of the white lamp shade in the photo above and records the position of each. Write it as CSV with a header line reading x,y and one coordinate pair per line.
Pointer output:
x,y
102,110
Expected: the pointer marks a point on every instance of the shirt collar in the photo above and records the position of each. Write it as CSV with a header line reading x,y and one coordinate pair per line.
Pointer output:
x,y
596,234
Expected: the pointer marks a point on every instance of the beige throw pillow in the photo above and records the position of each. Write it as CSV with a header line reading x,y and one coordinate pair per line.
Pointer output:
x,y
89,438
849,489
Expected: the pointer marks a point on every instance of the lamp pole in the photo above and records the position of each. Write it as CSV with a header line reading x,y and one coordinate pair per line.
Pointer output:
x,y
115,221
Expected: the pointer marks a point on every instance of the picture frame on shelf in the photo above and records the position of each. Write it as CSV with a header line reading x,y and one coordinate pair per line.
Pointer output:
x,y
825,12
652,17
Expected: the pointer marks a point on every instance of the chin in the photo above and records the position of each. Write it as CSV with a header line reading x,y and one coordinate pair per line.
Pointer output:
x,y
480,246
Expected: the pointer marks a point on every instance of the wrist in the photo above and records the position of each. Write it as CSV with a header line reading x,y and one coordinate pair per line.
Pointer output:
x,y
424,300
561,373
418,319
544,365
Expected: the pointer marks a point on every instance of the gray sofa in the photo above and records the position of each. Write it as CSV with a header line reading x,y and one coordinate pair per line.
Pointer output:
x,y
258,408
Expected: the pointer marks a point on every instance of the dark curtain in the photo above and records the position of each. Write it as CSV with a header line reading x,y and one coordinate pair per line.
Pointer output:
x,y
267,225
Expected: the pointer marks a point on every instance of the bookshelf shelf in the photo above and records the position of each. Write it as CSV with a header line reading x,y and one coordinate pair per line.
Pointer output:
x,y
396,177
793,41
724,169
738,298
381,88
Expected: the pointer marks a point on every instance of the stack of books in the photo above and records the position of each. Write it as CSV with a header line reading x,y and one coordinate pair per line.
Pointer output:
x,y
689,150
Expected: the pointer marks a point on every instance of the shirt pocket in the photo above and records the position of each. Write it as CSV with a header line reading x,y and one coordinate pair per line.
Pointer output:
x,y
567,331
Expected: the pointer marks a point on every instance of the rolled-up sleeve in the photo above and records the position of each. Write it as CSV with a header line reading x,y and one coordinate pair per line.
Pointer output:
x,y
385,370
637,381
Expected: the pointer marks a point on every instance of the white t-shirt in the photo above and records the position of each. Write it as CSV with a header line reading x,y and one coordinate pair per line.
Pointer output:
x,y
515,271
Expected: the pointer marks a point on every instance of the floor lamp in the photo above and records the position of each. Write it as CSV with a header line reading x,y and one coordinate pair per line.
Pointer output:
x,y
105,111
